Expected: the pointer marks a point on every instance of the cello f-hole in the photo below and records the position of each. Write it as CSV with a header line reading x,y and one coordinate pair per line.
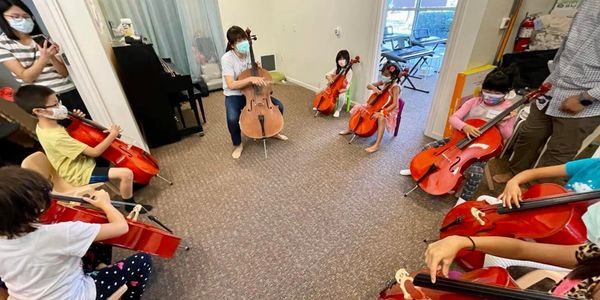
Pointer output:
x,y
453,166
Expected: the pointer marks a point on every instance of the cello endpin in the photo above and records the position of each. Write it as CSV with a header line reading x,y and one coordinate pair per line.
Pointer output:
x,y
265,147
164,179
411,190
352,139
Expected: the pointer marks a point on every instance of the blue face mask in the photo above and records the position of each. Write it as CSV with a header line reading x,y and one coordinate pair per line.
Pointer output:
x,y
492,99
24,25
242,47
591,219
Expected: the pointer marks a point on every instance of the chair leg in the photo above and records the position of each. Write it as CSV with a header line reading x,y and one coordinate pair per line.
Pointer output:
x,y
201,109
400,108
488,177
181,114
117,294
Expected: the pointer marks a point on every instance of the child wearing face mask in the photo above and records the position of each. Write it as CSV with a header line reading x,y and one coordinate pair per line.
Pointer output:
x,y
235,61
73,160
388,116
342,59
495,89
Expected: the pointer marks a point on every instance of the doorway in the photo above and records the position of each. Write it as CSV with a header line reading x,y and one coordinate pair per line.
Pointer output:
x,y
414,35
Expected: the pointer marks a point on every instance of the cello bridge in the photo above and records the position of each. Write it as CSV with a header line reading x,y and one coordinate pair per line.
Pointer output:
x,y
402,276
477,214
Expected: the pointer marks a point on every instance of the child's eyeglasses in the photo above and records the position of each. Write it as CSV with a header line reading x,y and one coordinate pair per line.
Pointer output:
x,y
59,103
17,17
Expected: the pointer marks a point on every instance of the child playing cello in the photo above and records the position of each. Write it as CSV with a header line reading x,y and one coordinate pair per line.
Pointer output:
x,y
387,117
495,88
41,261
74,161
342,59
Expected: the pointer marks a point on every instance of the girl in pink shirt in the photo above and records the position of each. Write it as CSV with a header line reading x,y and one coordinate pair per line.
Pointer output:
x,y
494,90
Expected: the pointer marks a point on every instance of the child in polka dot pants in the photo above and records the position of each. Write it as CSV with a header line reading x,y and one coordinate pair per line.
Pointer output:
x,y
60,261
133,271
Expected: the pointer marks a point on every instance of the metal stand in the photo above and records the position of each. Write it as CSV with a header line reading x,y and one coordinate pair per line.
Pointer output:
x,y
316,114
265,147
164,179
411,190
352,139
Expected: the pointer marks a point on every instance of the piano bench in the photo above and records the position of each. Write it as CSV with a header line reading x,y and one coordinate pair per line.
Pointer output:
x,y
195,101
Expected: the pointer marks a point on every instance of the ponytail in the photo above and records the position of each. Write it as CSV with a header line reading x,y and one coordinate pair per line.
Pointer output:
x,y
234,34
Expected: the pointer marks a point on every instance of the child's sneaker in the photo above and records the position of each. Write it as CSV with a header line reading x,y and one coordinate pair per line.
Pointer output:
x,y
405,172
336,114
314,108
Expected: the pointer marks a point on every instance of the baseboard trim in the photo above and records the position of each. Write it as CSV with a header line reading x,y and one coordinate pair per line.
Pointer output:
x,y
302,84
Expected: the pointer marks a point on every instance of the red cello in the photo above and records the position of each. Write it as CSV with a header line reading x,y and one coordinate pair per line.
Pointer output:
x,y
487,283
439,170
325,100
549,214
361,122
140,237
120,154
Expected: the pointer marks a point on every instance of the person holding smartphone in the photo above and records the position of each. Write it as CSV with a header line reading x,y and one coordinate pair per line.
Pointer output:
x,y
30,57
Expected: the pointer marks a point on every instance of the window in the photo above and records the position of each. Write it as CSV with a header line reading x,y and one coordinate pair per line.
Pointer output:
x,y
408,16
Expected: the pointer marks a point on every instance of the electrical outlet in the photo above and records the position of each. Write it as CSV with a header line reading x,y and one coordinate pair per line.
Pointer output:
x,y
504,23
337,31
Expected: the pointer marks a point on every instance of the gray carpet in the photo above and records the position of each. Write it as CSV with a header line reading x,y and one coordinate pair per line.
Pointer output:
x,y
318,219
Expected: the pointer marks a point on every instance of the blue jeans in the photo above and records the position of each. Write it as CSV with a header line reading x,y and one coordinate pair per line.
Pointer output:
x,y
233,109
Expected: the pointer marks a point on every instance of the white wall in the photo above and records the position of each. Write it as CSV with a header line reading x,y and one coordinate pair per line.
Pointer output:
x,y
489,32
255,14
301,35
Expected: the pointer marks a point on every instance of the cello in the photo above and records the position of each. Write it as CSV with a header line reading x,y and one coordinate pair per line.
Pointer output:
x,y
439,170
260,118
121,154
325,101
361,122
486,283
140,237
548,214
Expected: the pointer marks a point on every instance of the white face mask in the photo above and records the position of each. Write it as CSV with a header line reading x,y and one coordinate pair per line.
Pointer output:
x,y
386,79
58,113
24,25
342,63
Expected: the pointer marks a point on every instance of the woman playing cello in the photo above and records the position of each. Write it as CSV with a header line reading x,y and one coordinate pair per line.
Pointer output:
x,y
234,62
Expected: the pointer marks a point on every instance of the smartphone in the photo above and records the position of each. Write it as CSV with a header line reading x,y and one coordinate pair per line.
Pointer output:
x,y
40,39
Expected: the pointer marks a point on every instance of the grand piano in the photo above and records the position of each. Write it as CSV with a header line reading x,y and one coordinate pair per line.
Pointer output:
x,y
149,83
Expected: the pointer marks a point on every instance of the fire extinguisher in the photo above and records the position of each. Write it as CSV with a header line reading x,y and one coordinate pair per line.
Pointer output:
x,y
524,35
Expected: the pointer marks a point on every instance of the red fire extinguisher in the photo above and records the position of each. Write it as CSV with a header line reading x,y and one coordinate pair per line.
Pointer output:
x,y
524,35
